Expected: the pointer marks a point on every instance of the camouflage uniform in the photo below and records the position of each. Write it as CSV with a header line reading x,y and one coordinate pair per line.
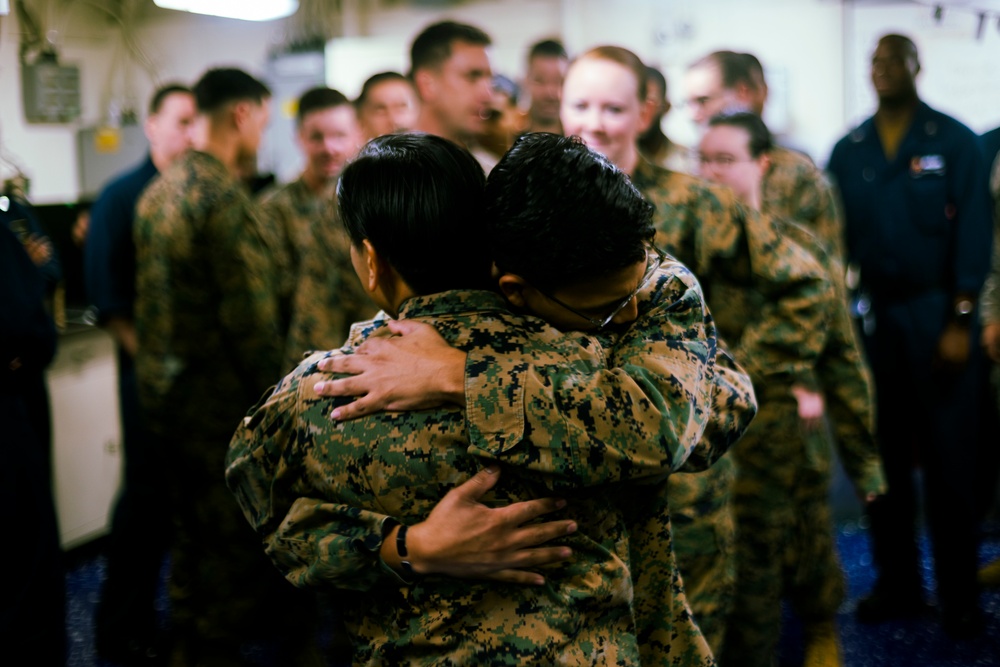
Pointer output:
x,y
320,295
767,294
795,189
208,342
579,445
665,628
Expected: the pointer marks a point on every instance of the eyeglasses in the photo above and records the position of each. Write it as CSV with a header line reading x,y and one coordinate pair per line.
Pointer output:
x,y
654,260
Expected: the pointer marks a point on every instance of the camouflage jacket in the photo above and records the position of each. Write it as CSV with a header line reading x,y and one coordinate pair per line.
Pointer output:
x,y
319,492
320,292
766,293
796,189
206,314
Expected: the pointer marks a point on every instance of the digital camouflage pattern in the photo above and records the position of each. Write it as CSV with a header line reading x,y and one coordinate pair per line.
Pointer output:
x,y
321,294
208,342
784,546
795,189
766,294
332,491
643,364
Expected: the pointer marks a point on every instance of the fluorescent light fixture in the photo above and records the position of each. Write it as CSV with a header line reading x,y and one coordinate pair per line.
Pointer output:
x,y
246,10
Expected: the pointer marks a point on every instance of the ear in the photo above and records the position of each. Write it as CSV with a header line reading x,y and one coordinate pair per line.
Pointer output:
x,y
646,111
149,127
512,287
240,113
374,263
425,82
764,160
744,94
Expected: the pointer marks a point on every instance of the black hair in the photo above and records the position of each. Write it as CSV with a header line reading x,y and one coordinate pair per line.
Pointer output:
x,y
547,48
418,199
376,79
559,213
162,93
433,46
218,87
760,137
317,99
907,43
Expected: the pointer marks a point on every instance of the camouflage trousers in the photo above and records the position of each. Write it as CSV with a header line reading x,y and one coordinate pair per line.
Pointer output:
x,y
784,534
703,534
223,589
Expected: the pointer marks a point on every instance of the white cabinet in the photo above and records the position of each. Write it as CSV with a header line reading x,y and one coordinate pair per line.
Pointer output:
x,y
86,434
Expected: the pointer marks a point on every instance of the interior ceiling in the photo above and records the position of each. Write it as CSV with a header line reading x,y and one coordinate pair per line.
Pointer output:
x,y
970,6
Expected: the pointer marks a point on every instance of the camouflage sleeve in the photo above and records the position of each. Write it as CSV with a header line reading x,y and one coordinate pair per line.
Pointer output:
x,y
784,340
311,542
248,310
734,405
640,417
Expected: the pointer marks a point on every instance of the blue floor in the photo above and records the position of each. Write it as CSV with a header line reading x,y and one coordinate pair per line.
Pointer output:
x,y
914,643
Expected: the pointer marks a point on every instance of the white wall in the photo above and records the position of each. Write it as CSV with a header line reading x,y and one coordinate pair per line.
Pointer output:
x,y
815,52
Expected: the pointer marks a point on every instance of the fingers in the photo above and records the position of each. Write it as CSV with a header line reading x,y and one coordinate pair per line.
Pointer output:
x,y
538,534
346,386
404,327
517,577
358,408
476,486
529,510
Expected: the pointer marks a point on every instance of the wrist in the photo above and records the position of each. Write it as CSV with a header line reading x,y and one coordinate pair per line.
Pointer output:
x,y
453,378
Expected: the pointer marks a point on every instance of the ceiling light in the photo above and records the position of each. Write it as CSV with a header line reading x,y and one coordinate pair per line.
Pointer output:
x,y
246,10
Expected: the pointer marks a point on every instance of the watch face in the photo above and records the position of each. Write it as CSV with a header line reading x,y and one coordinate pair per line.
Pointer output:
x,y
964,308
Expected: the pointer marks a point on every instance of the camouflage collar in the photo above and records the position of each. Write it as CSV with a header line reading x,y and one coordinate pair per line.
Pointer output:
x,y
453,302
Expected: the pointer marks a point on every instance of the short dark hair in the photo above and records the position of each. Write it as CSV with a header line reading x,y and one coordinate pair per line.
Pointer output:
x,y
218,87
558,213
376,79
433,46
734,68
418,199
317,99
547,48
163,92
655,75
625,58
905,41
760,137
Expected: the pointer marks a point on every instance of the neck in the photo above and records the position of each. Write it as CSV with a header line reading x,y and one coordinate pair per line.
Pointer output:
x,y
898,109
629,162
224,148
430,123
161,162
316,183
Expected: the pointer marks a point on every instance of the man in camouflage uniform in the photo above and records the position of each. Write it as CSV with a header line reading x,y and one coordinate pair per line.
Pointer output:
x,y
501,437
206,319
320,294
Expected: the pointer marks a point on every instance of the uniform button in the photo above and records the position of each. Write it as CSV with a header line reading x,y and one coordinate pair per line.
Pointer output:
x,y
868,173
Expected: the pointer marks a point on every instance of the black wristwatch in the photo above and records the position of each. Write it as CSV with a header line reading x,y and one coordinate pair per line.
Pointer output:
x,y
963,311
402,551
